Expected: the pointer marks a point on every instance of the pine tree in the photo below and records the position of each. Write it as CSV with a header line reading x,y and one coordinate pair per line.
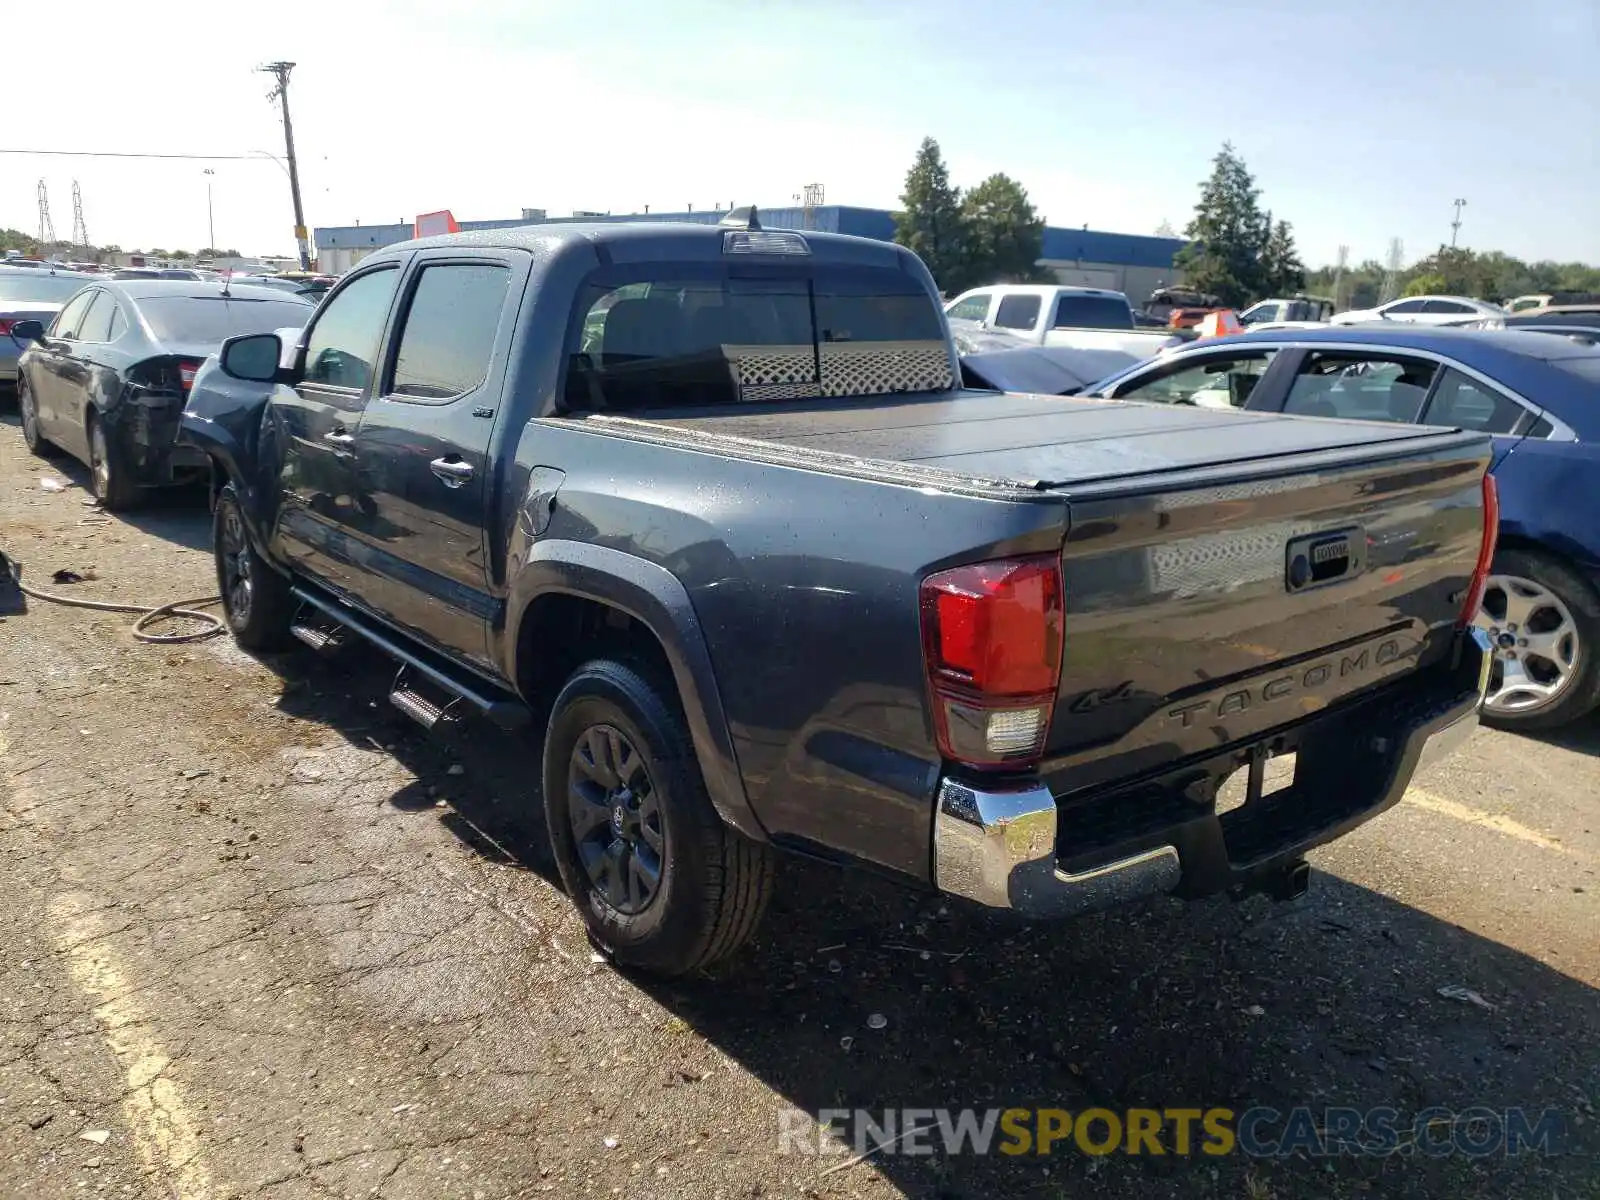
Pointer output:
x,y
1281,267
930,223
1005,235
1228,235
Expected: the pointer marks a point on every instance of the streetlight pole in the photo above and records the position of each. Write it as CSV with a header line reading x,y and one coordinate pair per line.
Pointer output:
x,y
280,72
1455,225
211,224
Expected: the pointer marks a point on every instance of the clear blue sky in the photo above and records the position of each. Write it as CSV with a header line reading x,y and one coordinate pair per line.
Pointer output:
x,y
1361,120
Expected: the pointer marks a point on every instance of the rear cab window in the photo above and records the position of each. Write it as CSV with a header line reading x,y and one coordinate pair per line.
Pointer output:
x,y
701,334
1092,312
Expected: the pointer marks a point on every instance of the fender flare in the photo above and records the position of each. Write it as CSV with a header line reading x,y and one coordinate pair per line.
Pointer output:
x,y
657,599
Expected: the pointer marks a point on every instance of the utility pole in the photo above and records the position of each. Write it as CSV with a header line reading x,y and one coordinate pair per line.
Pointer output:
x,y
1394,264
1455,226
211,224
280,72
1338,277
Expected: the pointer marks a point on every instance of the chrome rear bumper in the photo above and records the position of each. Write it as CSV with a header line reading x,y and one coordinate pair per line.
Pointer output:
x,y
999,847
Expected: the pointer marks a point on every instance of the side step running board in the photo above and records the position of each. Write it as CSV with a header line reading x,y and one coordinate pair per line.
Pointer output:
x,y
410,699
326,642
504,709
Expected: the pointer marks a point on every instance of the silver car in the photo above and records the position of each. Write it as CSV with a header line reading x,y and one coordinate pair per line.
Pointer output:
x,y
31,294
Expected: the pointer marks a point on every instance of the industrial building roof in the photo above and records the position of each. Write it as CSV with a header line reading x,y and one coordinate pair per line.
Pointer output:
x,y
1060,245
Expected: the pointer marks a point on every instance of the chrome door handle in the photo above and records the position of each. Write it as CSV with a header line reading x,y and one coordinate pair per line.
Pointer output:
x,y
452,474
339,438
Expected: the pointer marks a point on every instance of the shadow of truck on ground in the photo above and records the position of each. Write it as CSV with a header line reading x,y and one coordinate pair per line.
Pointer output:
x,y
1330,1002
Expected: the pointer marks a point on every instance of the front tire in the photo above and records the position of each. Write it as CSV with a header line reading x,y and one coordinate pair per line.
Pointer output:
x,y
1544,620
28,407
256,601
662,883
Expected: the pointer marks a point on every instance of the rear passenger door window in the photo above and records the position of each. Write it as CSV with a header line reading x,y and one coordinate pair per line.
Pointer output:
x,y
1462,402
449,330
1450,307
1219,381
1360,387
1018,312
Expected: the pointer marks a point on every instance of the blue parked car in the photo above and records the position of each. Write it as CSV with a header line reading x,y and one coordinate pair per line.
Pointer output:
x,y
1538,394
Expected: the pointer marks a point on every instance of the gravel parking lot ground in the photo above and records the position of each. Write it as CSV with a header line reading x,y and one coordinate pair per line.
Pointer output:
x,y
261,937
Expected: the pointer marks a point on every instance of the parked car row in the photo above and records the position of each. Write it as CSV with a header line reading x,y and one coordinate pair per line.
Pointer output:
x,y
107,382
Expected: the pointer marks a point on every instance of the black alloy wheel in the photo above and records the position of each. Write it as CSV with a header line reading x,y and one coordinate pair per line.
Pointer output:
x,y
616,821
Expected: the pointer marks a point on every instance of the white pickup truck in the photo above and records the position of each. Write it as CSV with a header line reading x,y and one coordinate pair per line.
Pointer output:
x,y
1053,315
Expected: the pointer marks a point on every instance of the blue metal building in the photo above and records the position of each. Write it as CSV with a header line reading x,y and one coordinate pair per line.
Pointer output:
x,y
1124,262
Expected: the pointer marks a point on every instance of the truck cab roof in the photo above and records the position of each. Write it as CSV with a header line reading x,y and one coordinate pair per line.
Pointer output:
x,y
645,241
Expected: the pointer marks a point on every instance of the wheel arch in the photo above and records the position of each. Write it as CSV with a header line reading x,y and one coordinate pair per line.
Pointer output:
x,y
572,601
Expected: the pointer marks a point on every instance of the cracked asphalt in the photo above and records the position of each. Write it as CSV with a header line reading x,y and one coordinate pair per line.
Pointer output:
x,y
261,937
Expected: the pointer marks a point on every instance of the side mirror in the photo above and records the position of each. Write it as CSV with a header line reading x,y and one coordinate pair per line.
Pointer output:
x,y
252,357
27,331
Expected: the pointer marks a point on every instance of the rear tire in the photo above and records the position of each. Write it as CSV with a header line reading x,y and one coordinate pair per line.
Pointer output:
x,y
256,601
108,473
662,883
36,442
1558,606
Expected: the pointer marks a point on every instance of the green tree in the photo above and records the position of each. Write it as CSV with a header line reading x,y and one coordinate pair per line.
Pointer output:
x,y
1281,268
1229,234
929,222
181,255
158,254
1005,235
1429,284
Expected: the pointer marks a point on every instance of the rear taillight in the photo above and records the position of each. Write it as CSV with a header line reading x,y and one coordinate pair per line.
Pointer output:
x,y
186,371
992,635
1480,573
5,325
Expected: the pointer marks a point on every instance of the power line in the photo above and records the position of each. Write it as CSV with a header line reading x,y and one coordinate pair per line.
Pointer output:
x,y
123,154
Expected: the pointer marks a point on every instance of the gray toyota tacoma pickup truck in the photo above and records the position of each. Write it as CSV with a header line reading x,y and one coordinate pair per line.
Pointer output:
x,y
705,509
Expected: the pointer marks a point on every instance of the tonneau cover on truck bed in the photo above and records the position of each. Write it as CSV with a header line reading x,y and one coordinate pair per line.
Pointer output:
x,y
1044,441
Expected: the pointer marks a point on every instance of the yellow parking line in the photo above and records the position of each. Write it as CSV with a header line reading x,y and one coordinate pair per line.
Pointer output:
x,y
160,1127
1500,824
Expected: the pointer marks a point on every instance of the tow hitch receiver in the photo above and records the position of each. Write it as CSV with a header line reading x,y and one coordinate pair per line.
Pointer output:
x,y
1288,882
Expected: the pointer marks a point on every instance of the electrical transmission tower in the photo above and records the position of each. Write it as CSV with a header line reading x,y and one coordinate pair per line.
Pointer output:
x,y
1393,265
1455,225
80,230
47,229
811,201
